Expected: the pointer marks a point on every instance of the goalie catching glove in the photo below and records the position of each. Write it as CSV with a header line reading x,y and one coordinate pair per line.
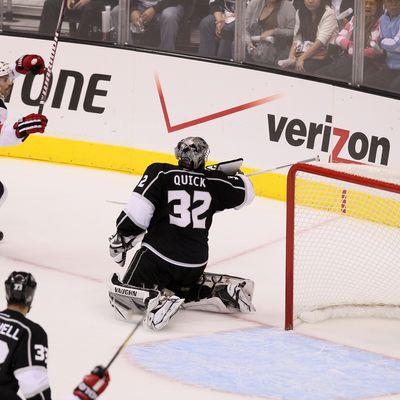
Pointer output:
x,y
231,167
93,384
32,123
119,246
30,63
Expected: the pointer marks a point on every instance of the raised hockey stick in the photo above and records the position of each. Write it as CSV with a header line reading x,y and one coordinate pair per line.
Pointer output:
x,y
124,343
45,87
308,160
264,171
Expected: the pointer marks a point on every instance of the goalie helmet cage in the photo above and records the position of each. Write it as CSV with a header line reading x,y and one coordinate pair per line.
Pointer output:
x,y
342,242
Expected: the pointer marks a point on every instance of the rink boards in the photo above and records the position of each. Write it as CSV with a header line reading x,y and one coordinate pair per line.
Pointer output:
x,y
132,108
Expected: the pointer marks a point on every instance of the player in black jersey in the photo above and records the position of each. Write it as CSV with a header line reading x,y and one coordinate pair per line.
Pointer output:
x,y
23,349
15,133
173,206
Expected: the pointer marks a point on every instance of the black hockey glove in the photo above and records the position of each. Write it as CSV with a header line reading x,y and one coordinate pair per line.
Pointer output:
x,y
119,246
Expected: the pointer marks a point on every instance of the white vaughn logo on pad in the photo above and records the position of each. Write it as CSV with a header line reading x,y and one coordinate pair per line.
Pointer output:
x,y
125,291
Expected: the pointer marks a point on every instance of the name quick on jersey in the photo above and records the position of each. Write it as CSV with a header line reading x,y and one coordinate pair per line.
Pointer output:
x,y
7,330
181,180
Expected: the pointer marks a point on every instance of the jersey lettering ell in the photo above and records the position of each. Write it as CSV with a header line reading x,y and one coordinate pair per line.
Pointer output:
x,y
23,357
176,207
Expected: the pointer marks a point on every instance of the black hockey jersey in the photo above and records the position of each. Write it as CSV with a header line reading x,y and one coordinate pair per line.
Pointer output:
x,y
175,207
23,357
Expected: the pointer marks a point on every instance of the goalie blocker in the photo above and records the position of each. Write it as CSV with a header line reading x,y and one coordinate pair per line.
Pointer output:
x,y
214,293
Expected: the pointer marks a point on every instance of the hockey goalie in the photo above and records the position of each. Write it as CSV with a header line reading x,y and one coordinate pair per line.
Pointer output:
x,y
171,211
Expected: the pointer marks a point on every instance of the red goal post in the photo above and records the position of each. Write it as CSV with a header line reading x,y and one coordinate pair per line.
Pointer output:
x,y
342,242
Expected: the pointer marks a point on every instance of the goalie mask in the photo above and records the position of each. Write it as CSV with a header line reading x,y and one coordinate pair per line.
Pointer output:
x,y
192,152
20,288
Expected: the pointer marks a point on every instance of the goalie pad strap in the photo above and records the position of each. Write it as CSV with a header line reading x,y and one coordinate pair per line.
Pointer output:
x,y
213,304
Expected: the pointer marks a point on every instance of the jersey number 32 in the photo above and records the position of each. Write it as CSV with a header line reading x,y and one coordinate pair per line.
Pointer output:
x,y
184,213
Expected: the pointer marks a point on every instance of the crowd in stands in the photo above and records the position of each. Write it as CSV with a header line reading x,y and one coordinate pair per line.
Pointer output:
x,y
314,37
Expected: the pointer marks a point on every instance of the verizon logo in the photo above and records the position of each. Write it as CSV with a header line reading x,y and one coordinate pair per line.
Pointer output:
x,y
318,136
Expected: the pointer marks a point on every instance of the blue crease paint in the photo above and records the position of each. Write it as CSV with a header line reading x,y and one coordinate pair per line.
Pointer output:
x,y
269,362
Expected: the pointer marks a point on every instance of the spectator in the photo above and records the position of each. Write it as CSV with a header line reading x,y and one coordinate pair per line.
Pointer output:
x,y
269,30
217,30
87,12
341,67
339,6
316,25
166,14
389,76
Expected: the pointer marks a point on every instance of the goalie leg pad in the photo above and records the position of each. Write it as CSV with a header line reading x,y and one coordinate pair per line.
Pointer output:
x,y
235,293
234,296
160,311
127,299
213,304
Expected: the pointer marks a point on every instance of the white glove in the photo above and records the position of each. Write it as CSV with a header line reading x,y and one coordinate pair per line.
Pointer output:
x,y
119,246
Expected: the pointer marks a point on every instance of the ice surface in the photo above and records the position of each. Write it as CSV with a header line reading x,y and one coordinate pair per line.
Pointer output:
x,y
56,222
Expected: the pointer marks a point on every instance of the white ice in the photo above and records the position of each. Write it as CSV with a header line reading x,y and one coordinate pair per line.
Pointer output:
x,y
56,221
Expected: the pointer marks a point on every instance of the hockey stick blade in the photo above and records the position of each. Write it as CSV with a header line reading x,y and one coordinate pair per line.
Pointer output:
x,y
308,160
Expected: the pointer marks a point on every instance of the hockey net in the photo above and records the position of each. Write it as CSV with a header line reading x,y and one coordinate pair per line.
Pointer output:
x,y
343,242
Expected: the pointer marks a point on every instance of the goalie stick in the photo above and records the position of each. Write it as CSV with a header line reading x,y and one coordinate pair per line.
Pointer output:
x,y
45,87
308,160
239,161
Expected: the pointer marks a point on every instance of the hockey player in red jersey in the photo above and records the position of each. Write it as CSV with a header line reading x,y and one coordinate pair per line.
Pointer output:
x,y
173,206
23,365
16,132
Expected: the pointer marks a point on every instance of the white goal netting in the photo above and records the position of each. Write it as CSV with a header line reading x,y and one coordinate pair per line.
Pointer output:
x,y
345,253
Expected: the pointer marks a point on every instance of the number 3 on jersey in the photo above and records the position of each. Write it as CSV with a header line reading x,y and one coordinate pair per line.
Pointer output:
x,y
40,353
182,209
